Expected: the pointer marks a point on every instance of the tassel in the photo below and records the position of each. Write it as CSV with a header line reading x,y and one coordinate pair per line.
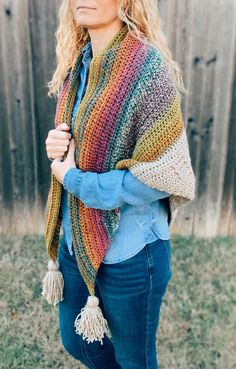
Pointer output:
x,y
90,321
53,284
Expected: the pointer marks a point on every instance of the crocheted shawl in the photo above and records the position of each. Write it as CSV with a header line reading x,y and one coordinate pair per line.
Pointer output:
x,y
130,117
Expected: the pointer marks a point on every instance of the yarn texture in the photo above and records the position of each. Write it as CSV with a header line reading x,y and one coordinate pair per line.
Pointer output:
x,y
130,117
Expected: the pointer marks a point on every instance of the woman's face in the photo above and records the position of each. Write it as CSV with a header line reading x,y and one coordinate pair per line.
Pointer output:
x,y
97,13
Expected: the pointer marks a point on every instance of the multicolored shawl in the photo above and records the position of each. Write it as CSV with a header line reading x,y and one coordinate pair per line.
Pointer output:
x,y
130,117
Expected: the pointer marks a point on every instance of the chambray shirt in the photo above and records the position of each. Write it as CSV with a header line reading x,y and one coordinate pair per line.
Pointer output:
x,y
143,218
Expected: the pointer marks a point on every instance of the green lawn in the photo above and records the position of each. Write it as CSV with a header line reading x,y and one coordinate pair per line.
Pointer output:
x,y
198,318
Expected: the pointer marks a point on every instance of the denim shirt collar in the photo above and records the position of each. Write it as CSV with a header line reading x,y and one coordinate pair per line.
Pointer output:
x,y
87,51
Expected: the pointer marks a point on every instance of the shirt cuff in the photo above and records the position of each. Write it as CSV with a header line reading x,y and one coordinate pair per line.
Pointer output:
x,y
72,180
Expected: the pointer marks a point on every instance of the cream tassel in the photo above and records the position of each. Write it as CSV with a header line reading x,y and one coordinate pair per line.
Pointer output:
x,y
90,321
53,284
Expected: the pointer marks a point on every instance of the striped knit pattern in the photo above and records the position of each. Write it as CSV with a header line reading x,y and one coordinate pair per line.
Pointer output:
x,y
130,117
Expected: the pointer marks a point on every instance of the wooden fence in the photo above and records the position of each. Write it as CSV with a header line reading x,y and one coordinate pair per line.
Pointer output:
x,y
202,38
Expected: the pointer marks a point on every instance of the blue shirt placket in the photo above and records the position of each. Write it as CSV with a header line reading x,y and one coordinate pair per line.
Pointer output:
x,y
86,59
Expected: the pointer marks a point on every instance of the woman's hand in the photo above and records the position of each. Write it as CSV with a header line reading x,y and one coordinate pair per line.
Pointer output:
x,y
59,168
57,141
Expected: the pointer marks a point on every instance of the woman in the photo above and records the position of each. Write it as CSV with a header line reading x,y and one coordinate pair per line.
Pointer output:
x,y
116,187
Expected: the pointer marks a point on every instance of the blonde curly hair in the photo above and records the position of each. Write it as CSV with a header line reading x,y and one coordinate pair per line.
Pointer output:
x,y
143,21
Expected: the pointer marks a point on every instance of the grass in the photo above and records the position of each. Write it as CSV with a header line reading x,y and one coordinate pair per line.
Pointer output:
x,y
198,317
